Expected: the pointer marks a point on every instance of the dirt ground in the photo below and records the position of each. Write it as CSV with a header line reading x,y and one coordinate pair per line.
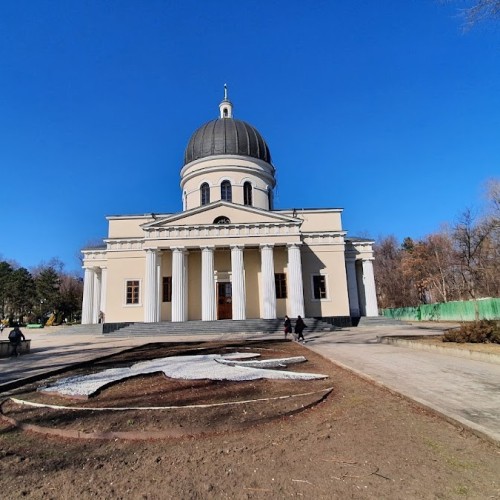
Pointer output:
x,y
357,441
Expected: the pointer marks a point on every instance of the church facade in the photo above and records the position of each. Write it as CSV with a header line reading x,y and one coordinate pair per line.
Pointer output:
x,y
229,254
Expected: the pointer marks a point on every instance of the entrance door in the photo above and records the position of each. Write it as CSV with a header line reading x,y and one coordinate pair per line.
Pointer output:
x,y
224,301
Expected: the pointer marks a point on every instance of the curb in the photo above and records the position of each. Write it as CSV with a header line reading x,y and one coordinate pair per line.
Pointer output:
x,y
450,351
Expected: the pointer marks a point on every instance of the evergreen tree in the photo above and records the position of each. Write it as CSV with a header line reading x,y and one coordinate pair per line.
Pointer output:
x,y
21,293
5,277
47,290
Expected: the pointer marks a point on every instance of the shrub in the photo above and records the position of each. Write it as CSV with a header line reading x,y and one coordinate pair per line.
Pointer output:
x,y
483,331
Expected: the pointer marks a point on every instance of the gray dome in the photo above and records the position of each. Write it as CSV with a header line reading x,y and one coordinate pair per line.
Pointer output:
x,y
226,136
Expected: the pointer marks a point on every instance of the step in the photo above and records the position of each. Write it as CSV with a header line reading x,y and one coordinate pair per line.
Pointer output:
x,y
214,327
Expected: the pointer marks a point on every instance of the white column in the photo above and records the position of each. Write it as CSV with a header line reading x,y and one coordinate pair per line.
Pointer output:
x,y
159,286
104,286
150,287
268,282
207,284
352,286
369,286
179,284
88,297
96,297
296,286
238,282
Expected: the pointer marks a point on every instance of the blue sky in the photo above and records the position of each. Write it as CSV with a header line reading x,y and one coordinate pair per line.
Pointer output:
x,y
384,108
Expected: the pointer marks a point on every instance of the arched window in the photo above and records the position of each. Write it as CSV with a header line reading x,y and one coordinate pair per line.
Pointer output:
x,y
225,191
247,193
205,194
270,198
222,220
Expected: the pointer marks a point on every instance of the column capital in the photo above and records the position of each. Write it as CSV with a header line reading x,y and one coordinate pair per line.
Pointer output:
x,y
294,245
207,247
239,246
266,245
179,249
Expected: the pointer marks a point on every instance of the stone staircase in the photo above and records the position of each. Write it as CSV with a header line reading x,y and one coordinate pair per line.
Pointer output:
x,y
81,329
263,326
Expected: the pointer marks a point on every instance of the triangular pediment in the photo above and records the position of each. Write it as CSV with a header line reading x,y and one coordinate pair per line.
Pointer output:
x,y
207,214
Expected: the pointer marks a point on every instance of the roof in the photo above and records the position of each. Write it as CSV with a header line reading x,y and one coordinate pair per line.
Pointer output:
x,y
226,136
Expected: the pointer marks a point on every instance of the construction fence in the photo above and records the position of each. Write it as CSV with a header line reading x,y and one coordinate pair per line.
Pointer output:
x,y
448,311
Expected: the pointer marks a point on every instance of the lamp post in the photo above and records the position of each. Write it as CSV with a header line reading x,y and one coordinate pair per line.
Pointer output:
x,y
41,310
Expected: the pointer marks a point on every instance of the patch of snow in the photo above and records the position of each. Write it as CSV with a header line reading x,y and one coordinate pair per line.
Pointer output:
x,y
195,367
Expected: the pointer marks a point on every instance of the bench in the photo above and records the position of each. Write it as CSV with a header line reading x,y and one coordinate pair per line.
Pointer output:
x,y
6,349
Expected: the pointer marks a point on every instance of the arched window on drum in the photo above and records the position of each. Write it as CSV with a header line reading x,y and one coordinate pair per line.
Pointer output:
x,y
247,193
205,194
270,198
226,192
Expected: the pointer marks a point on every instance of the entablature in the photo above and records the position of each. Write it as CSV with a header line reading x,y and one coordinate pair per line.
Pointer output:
x,y
221,230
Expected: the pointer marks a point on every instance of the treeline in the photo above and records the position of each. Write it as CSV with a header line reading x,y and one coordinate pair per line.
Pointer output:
x,y
34,296
461,262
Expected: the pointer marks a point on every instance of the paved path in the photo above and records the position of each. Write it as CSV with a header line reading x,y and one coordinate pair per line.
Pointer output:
x,y
463,390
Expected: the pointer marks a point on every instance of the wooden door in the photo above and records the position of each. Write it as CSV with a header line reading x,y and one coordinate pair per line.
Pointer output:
x,y
224,301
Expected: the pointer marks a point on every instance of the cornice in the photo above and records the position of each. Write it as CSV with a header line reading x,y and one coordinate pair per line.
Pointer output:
x,y
324,238
91,255
123,244
223,230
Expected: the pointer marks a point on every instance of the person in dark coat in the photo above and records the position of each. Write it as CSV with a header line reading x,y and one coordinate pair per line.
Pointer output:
x,y
288,326
299,328
15,338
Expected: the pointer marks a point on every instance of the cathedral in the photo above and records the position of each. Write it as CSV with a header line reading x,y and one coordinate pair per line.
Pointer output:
x,y
230,254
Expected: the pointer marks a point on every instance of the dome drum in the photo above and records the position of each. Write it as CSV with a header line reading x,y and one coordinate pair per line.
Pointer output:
x,y
230,149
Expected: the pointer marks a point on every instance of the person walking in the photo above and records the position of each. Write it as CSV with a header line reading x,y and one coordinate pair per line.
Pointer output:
x,y
299,328
288,326
15,338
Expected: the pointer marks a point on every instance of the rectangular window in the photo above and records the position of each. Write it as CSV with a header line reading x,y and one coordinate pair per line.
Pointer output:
x,y
280,281
319,287
167,289
132,292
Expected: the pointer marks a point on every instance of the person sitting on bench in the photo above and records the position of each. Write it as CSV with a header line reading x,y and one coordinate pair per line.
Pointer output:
x,y
15,338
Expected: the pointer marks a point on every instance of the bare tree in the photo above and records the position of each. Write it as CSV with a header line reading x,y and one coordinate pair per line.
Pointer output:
x,y
476,11
393,288
481,10
477,254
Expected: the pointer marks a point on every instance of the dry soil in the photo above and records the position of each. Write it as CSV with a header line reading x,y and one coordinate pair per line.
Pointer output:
x,y
360,441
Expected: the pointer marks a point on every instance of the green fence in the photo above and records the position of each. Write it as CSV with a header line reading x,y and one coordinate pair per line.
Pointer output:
x,y
448,311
